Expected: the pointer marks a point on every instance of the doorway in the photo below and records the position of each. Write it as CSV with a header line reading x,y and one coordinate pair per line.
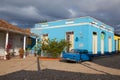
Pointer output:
x,y
70,39
94,43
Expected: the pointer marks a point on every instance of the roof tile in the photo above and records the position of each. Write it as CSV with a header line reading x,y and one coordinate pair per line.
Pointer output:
x,y
8,26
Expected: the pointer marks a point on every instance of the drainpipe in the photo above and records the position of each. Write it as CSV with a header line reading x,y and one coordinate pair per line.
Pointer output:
x,y
24,46
6,43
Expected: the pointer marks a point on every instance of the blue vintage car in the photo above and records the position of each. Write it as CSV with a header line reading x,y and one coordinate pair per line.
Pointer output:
x,y
77,55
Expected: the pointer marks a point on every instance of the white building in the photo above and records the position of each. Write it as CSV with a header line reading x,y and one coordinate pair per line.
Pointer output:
x,y
11,37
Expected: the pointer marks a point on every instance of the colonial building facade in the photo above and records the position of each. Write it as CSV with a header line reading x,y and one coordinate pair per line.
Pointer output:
x,y
83,33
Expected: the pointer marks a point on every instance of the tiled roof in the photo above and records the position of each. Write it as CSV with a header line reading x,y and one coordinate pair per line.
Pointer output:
x,y
9,27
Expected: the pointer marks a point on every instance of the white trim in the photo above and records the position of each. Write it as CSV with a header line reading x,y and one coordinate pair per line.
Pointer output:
x,y
69,22
68,25
102,28
77,24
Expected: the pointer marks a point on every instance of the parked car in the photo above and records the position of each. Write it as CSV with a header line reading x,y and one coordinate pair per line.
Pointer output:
x,y
77,55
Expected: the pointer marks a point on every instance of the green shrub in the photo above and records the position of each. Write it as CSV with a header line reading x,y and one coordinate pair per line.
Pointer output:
x,y
54,47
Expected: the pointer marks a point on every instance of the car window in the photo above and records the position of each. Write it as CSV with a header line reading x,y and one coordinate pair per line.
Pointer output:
x,y
71,51
78,51
74,51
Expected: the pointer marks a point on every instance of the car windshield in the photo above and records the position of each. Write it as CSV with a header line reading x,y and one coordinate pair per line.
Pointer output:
x,y
78,51
74,51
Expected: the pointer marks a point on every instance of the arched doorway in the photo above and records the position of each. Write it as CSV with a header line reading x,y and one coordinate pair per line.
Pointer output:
x,y
109,44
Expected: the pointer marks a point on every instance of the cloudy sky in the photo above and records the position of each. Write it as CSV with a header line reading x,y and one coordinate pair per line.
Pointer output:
x,y
25,13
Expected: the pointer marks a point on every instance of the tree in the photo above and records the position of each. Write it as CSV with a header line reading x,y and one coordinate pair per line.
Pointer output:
x,y
43,21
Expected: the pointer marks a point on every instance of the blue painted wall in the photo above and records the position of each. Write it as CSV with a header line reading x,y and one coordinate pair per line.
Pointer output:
x,y
83,29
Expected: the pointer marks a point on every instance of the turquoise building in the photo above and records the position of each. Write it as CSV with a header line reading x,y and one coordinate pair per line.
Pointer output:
x,y
83,33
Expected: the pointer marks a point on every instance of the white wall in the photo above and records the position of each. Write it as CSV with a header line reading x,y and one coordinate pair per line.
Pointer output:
x,y
2,43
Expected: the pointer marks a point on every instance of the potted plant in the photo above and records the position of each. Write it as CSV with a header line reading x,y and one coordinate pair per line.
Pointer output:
x,y
8,52
8,56
21,52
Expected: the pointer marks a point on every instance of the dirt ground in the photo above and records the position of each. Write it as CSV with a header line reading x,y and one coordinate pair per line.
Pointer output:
x,y
32,68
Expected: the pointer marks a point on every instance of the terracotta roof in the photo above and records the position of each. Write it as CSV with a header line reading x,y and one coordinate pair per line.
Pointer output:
x,y
9,27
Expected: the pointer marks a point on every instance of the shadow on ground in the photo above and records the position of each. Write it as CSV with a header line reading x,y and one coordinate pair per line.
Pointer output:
x,y
111,61
50,74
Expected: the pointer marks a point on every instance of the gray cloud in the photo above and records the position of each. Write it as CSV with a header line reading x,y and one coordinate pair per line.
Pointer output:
x,y
28,12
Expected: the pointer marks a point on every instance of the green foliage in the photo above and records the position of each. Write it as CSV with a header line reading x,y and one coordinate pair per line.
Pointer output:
x,y
43,21
53,46
37,49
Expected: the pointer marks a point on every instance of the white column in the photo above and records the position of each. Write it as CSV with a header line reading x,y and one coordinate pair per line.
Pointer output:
x,y
6,43
36,45
36,41
24,46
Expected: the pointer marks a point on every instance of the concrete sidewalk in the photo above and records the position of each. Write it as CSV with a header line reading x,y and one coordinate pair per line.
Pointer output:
x,y
32,68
